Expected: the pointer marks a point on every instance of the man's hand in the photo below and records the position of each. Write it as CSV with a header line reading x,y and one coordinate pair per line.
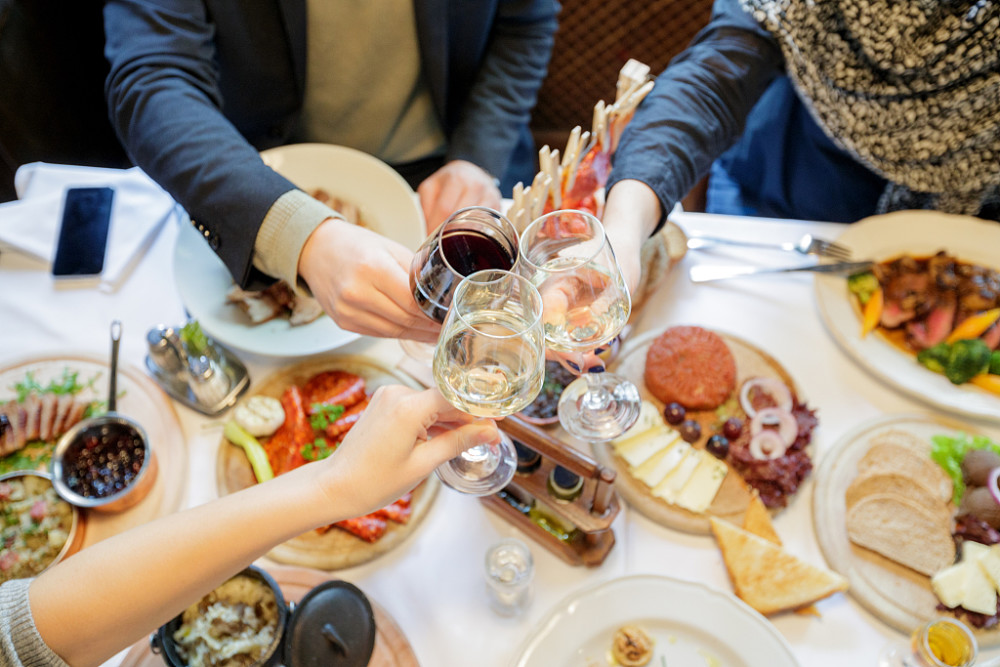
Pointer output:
x,y
362,281
456,185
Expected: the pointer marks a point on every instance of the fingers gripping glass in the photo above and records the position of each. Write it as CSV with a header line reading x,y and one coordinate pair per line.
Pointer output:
x,y
585,305
489,362
472,239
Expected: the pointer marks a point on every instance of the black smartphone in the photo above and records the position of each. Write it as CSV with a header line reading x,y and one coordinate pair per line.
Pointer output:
x,y
83,233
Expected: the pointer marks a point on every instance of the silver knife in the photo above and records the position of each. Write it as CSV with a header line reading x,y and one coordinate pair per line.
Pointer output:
x,y
701,274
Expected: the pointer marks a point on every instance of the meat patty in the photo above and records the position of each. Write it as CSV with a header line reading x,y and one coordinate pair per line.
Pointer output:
x,y
692,366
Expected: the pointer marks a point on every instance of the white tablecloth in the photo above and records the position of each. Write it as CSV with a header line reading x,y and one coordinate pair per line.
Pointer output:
x,y
432,585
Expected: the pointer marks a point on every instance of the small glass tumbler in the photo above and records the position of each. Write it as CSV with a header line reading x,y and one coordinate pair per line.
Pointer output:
x,y
940,642
509,571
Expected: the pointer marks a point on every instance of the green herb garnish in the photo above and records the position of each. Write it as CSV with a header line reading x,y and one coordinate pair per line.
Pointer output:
x,y
194,339
324,415
68,383
316,450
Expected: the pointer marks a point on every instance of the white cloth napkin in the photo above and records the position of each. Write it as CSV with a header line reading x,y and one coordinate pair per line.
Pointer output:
x,y
139,209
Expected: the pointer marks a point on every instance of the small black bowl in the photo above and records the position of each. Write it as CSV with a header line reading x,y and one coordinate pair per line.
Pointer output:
x,y
162,641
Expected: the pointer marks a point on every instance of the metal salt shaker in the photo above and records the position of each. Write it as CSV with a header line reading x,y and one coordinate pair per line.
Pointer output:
x,y
208,382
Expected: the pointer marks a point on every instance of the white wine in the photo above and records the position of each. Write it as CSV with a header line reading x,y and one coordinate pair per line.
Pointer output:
x,y
583,309
484,369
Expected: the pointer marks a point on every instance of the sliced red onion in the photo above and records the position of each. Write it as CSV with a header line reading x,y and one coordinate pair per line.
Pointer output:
x,y
776,419
776,389
993,484
767,445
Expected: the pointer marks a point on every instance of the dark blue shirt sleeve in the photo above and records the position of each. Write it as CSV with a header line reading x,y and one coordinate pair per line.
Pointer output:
x,y
698,106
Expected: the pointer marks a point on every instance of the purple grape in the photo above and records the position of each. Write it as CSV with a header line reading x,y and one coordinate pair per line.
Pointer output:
x,y
690,430
674,413
718,446
732,428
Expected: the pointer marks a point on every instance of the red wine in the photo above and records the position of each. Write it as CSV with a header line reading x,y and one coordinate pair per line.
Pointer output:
x,y
466,251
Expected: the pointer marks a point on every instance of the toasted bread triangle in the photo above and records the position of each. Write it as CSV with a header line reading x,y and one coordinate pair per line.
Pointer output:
x,y
767,577
757,520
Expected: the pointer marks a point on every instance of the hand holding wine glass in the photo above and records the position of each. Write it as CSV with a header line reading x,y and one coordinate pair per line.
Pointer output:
x,y
471,239
489,362
586,304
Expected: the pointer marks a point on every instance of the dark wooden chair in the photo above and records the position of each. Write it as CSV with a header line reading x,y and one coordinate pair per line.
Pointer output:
x,y
597,37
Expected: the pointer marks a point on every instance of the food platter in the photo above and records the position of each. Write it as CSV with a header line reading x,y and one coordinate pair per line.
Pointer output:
x,y
391,646
690,624
734,495
897,595
336,548
389,206
887,236
140,399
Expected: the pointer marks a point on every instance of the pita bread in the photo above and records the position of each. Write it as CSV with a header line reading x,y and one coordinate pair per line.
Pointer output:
x,y
902,531
757,520
886,456
767,577
899,485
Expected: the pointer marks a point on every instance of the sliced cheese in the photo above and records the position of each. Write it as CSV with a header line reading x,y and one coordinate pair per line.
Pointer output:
x,y
980,595
949,584
638,449
990,563
672,484
656,468
705,481
973,550
649,417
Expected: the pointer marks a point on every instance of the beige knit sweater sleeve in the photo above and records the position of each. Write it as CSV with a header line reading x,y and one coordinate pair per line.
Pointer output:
x,y
20,643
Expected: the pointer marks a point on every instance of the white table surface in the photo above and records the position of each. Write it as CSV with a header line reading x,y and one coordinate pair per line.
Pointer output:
x,y
432,585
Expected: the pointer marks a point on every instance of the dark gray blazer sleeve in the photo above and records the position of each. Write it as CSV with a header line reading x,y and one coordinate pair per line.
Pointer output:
x,y
164,102
505,90
698,106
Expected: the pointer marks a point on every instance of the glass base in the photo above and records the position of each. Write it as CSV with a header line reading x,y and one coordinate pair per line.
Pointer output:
x,y
422,352
481,470
599,406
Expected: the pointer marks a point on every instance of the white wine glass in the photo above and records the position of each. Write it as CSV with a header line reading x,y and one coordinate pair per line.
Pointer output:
x,y
940,642
585,305
489,362
473,238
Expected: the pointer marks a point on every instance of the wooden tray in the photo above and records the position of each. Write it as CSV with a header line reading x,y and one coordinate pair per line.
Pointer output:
x,y
140,399
895,594
734,495
391,646
336,548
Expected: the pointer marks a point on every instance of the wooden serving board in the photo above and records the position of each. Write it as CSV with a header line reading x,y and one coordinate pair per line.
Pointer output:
x,y
336,548
734,495
138,398
391,646
897,595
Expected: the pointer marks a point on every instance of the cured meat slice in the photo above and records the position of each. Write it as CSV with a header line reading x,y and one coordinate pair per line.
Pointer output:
x,y
333,388
47,418
369,527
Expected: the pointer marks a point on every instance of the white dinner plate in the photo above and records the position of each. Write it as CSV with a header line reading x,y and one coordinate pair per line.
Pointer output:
x,y
689,623
918,233
388,206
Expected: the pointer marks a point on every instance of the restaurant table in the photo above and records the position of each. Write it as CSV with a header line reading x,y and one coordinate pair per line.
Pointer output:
x,y
432,584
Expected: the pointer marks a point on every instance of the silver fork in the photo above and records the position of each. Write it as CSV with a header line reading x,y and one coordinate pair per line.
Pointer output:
x,y
807,245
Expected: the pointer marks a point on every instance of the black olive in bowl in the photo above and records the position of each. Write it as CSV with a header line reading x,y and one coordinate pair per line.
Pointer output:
x,y
544,410
104,463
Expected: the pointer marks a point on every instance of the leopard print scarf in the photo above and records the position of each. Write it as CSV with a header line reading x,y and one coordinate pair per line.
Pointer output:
x,y
911,88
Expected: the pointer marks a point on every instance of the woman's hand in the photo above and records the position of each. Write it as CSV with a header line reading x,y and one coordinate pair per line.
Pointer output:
x,y
362,281
401,437
456,185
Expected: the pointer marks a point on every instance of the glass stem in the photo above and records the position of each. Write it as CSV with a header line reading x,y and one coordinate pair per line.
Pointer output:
x,y
597,397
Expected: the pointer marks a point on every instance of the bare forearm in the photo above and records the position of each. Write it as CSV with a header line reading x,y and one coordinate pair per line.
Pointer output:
x,y
155,571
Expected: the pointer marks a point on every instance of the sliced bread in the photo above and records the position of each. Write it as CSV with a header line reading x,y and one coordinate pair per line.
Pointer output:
x,y
902,531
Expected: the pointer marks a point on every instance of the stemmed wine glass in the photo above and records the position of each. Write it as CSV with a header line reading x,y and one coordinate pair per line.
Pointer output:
x,y
489,362
472,239
586,303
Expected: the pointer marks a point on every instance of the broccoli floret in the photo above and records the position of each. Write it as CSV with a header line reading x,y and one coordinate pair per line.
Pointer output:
x,y
967,359
936,357
863,285
995,362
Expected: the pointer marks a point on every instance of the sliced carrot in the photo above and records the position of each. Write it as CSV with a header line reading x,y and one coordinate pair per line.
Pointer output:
x,y
974,326
987,381
872,313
